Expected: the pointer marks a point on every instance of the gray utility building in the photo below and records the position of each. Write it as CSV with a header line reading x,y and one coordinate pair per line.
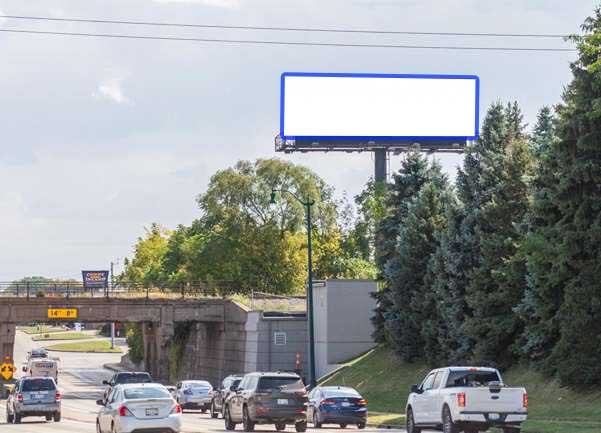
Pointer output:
x,y
343,330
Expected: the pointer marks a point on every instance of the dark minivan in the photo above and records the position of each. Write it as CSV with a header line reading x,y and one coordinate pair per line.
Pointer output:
x,y
267,398
340,405
125,377
220,394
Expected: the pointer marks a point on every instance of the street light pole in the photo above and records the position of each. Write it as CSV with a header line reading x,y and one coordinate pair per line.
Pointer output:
x,y
310,316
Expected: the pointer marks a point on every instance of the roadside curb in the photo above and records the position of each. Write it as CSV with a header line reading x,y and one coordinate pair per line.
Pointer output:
x,y
114,367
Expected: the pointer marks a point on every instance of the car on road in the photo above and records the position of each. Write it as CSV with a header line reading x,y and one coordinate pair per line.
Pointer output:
x,y
125,377
43,367
468,399
194,394
139,407
34,396
220,394
267,398
336,405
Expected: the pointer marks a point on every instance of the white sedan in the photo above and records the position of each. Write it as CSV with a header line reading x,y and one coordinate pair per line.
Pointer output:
x,y
139,407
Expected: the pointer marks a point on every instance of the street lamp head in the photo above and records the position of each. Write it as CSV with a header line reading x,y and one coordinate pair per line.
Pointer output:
x,y
273,193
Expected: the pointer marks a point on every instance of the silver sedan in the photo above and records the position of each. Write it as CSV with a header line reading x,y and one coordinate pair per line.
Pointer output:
x,y
139,407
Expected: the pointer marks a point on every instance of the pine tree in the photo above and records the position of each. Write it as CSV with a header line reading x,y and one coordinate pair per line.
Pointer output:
x,y
405,272
577,233
407,182
500,200
544,291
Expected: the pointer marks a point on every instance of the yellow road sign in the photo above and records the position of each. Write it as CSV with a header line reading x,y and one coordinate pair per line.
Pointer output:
x,y
7,370
62,313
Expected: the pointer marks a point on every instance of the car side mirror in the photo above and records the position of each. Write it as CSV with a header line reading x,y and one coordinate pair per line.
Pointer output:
x,y
100,403
416,389
233,388
105,382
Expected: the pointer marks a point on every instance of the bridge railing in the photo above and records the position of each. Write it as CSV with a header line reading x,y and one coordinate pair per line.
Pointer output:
x,y
69,289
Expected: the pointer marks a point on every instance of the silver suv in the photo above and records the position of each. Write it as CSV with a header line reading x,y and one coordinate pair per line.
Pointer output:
x,y
34,396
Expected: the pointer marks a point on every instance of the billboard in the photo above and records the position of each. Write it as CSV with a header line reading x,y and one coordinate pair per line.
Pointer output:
x,y
378,106
95,279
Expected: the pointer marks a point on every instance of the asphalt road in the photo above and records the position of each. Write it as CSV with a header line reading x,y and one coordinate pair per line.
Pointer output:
x,y
80,379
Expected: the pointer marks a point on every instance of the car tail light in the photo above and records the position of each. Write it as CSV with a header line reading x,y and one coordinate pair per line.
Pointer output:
x,y
362,402
261,409
124,411
461,399
525,400
328,403
176,409
57,396
19,397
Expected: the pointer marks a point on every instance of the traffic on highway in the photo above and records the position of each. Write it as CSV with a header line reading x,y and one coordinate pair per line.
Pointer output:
x,y
91,398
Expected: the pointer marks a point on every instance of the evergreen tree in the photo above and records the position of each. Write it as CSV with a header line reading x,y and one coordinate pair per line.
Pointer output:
x,y
407,182
405,272
495,284
577,233
545,278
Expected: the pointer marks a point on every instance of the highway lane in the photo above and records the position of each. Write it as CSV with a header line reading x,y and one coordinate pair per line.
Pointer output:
x,y
80,381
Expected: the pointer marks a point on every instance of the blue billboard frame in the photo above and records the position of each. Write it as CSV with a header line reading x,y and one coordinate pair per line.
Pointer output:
x,y
378,137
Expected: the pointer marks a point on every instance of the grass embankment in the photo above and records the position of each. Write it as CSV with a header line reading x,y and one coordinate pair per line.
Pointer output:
x,y
93,346
40,330
385,381
63,336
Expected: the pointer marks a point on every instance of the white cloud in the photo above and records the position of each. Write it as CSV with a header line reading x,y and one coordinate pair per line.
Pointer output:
x,y
227,4
111,90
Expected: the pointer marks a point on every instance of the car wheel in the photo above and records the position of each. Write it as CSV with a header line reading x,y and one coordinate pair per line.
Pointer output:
x,y
203,410
17,418
57,417
316,422
448,426
214,413
361,425
229,424
48,417
411,428
342,425
301,426
248,424
280,426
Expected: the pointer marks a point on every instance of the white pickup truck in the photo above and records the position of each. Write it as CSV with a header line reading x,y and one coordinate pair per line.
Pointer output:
x,y
468,399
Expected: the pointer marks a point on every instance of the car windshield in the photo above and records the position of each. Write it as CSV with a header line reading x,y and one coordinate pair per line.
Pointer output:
x,y
333,393
144,393
38,385
266,383
472,378
133,378
236,382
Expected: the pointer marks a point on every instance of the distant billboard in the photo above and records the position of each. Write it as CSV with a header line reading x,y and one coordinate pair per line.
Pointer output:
x,y
341,106
95,279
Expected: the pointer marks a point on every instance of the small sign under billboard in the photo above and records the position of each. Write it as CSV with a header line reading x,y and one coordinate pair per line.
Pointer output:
x,y
378,106
95,279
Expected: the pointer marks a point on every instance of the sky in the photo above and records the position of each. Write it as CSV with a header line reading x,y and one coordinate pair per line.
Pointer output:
x,y
101,137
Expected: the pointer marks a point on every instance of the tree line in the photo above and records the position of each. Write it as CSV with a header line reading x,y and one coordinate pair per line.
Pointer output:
x,y
503,266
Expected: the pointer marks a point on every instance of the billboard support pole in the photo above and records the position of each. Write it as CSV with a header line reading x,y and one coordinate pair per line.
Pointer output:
x,y
380,168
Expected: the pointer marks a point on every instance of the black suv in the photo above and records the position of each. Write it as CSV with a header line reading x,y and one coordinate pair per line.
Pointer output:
x,y
220,395
125,377
267,398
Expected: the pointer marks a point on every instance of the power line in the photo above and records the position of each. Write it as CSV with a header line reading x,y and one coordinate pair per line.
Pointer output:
x,y
287,29
294,43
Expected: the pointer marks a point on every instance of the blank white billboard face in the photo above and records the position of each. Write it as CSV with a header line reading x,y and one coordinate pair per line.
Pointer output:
x,y
379,106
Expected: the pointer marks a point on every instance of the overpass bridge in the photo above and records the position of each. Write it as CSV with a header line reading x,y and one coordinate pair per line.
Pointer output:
x,y
217,336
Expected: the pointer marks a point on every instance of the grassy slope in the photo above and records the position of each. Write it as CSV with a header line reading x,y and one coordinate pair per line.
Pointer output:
x,y
381,378
63,336
42,329
99,346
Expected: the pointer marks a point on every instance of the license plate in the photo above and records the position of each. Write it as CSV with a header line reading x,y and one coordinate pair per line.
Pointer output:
x,y
345,404
494,416
153,411
282,401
